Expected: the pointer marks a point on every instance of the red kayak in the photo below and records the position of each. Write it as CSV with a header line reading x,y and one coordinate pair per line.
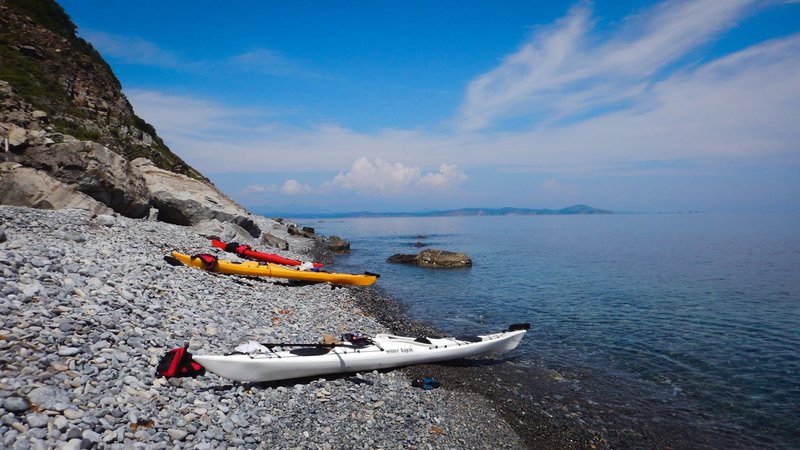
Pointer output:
x,y
244,251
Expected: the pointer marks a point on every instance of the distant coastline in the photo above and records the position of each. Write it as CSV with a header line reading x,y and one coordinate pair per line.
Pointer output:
x,y
463,212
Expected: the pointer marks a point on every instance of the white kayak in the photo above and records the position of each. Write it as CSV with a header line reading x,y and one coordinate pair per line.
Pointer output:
x,y
383,351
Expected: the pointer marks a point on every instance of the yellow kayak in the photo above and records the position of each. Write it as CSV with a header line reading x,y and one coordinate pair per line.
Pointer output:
x,y
255,269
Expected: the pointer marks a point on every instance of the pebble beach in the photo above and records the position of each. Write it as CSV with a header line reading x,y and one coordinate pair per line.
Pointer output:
x,y
89,306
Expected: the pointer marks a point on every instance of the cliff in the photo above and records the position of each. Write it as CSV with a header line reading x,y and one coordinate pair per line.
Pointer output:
x,y
70,138
61,75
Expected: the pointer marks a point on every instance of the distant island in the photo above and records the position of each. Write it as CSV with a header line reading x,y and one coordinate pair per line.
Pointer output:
x,y
463,212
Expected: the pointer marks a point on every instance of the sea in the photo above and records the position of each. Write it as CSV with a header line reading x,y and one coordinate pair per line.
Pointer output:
x,y
696,316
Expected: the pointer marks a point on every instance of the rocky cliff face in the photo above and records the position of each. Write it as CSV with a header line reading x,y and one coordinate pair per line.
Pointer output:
x,y
70,138
61,75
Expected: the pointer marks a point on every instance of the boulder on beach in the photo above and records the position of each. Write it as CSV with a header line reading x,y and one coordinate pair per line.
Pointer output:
x,y
185,201
271,240
306,232
433,258
24,186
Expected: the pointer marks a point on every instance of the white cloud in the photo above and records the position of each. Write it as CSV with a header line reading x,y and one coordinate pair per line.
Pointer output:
x,y
734,106
563,71
138,51
380,178
268,62
255,189
741,105
553,186
132,50
293,187
447,176
192,117
289,187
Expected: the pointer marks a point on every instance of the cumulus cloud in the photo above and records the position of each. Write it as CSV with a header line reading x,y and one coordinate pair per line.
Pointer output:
x,y
379,178
447,176
293,187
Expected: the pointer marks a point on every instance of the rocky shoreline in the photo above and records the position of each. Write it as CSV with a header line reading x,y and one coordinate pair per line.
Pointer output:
x,y
89,306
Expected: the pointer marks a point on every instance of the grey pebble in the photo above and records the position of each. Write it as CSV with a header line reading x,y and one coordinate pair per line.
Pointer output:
x,y
177,435
73,414
15,404
49,398
68,351
37,420
73,444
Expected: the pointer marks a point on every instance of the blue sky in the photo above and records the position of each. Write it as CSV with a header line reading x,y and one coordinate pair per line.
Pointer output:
x,y
406,105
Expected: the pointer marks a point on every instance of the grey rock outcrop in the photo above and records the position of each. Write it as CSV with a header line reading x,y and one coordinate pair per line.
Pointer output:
x,y
94,170
306,232
62,84
226,231
274,241
432,258
58,87
24,186
185,201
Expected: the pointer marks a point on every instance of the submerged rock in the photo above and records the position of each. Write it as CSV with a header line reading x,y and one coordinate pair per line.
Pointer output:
x,y
433,258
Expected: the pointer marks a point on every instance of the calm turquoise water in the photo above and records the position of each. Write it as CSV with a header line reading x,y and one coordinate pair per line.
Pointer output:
x,y
700,310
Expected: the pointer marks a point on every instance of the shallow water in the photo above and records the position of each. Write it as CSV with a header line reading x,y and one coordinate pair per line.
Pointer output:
x,y
695,317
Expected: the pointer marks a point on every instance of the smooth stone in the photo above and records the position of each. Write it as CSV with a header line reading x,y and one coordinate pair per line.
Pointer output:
x,y
177,435
50,398
91,435
73,444
37,420
68,351
15,404
61,423
106,220
73,414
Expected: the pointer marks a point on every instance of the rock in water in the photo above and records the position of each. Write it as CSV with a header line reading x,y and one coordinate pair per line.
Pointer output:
x,y
338,245
432,258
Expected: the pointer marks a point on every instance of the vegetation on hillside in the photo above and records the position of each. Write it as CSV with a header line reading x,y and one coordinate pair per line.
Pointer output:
x,y
33,71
